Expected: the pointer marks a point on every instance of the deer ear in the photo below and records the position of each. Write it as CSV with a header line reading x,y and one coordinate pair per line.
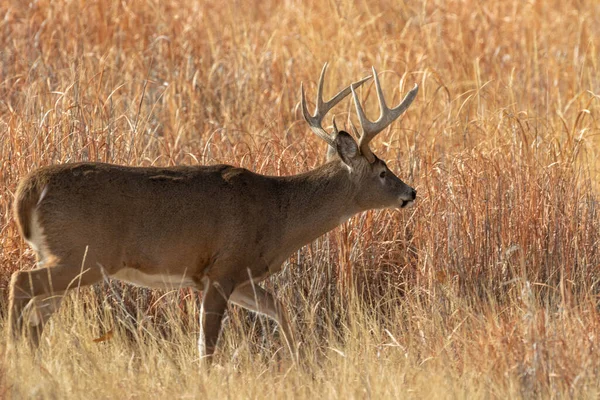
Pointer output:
x,y
346,148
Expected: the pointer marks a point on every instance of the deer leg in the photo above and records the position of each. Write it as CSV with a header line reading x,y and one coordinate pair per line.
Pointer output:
x,y
254,298
35,295
214,304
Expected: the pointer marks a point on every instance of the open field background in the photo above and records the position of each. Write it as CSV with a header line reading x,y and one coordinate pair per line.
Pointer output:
x,y
489,287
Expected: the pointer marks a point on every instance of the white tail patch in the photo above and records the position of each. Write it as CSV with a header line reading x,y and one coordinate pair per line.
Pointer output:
x,y
36,238
44,191
157,281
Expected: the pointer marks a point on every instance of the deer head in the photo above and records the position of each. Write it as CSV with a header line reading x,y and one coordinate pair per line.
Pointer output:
x,y
379,187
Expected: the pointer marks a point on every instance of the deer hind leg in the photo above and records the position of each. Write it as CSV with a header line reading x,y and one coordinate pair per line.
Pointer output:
x,y
254,298
214,304
35,295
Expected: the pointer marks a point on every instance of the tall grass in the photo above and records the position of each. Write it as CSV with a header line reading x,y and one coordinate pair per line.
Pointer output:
x,y
487,288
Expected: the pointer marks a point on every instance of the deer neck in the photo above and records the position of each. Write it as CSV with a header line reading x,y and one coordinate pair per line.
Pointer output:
x,y
314,203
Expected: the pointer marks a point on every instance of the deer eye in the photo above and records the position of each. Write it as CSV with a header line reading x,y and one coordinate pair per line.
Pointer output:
x,y
382,174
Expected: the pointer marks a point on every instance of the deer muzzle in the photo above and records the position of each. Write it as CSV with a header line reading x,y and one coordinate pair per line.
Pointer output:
x,y
409,200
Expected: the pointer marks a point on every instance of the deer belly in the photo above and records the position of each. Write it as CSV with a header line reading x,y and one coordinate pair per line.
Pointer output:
x,y
155,281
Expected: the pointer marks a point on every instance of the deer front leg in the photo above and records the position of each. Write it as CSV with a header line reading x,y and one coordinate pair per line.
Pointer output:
x,y
214,304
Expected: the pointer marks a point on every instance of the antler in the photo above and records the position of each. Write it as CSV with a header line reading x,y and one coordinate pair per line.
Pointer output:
x,y
387,116
323,107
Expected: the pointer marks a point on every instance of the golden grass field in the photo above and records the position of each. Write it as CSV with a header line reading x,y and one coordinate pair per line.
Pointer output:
x,y
487,288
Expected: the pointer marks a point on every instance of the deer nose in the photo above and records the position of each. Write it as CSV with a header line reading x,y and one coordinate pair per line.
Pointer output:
x,y
413,194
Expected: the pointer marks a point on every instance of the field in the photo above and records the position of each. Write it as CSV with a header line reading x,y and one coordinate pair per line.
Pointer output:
x,y
489,287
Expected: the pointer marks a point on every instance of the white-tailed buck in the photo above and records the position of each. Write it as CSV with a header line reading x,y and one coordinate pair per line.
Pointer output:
x,y
219,229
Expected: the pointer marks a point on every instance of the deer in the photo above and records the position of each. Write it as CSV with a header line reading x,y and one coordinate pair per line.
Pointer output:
x,y
217,229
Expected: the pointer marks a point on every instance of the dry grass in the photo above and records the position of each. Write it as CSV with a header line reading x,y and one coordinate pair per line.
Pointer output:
x,y
487,288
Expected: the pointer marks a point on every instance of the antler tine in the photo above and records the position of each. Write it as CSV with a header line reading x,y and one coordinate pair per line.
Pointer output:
x,y
387,116
314,122
322,107
335,128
